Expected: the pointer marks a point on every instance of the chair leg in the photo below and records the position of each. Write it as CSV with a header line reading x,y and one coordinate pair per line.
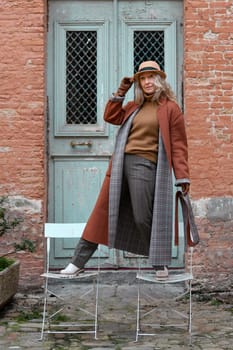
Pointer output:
x,y
96,306
138,313
190,313
44,309
190,307
190,292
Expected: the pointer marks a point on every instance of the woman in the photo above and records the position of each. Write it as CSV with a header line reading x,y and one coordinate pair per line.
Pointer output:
x,y
134,209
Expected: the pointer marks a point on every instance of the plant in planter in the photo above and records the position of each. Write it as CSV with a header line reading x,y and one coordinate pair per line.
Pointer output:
x,y
9,268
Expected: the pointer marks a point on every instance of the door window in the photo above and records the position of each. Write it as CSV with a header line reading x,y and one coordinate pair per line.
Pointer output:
x,y
148,44
81,77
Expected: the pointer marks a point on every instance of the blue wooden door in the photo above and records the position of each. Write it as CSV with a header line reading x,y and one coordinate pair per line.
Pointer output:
x,y
91,46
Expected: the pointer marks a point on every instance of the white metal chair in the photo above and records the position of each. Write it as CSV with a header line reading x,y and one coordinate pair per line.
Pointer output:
x,y
191,237
60,230
172,278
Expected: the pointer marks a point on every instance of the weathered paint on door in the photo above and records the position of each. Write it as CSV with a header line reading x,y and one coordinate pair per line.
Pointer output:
x,y
91,46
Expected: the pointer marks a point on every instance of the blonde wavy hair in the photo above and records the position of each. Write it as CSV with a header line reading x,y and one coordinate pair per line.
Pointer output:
x,y
163,89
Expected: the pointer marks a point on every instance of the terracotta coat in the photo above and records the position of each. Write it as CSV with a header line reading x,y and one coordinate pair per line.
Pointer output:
x,y
170,120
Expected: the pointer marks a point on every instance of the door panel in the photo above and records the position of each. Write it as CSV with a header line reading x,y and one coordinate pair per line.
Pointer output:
x,y
91,46
77,184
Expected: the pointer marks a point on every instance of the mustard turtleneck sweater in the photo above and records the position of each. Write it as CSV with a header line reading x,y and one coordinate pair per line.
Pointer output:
x,y
143,136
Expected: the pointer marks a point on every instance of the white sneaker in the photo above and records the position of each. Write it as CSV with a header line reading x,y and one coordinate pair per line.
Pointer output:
x,y
71,269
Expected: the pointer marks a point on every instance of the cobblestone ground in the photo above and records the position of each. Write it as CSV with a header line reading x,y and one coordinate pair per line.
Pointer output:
x,y
212,321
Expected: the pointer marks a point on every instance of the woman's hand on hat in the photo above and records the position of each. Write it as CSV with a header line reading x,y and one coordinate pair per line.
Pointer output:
x,y
125,85
127,80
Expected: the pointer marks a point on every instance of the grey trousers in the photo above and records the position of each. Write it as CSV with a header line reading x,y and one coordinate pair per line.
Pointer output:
x,y
138,182
83,252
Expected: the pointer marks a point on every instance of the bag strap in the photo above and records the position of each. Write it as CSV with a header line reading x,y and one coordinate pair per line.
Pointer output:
x,y
190,228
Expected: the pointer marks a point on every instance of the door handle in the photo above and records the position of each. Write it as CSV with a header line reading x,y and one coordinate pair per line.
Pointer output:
x,y
81,143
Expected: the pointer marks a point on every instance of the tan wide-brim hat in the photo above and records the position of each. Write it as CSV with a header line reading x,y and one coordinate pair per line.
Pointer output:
x,y
149,66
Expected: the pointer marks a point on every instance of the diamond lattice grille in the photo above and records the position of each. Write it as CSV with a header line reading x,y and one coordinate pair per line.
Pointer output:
x,y
81,77
148,45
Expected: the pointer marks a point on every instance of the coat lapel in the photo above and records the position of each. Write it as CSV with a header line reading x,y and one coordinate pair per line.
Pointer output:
x,y
161,232
116,179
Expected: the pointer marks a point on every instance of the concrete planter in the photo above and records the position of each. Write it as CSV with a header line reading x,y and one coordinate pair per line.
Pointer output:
x,y
9,279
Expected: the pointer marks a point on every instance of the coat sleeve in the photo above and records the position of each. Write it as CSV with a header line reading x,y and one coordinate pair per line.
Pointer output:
x,y
115,113
179,146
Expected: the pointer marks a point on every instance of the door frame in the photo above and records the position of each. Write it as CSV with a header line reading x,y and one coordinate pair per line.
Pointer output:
x,y
172,44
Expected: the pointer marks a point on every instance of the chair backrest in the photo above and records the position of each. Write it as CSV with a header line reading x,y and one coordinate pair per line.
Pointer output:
x,y
70,230
63,230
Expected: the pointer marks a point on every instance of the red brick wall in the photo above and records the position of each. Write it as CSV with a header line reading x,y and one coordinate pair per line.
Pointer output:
x,y
208,83
22,118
